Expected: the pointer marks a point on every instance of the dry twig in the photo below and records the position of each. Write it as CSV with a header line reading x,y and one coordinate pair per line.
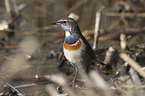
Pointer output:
x,y
133,64
97,26
109,55
123,41
15,89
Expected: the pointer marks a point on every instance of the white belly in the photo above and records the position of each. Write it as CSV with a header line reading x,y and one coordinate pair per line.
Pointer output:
x,y
73,56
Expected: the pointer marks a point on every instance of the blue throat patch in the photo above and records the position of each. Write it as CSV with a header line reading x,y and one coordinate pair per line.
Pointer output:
x,y
71,40
65,28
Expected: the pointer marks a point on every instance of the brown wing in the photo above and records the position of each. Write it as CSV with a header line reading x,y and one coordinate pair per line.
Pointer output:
x,y
89,49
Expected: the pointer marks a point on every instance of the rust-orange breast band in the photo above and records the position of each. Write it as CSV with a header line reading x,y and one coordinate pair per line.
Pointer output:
x,y
72,47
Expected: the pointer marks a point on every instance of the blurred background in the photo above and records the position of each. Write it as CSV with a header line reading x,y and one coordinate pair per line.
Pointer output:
x,y
30,47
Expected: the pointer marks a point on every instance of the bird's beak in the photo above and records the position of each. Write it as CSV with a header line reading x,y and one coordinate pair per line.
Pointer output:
x,y
55,23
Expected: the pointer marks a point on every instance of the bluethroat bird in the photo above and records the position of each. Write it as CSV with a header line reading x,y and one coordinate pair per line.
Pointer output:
x,y
76,48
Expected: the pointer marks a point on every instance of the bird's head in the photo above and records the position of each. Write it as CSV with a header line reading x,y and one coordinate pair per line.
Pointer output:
x,y
69,25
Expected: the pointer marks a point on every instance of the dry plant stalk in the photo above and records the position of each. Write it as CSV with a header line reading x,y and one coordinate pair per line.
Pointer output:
x,y
97,26
133,64
15,89
15,7
114,14
109,55
26,85
21,6
51,90
137,81
7,6
74,16
100,83
135,77
123,41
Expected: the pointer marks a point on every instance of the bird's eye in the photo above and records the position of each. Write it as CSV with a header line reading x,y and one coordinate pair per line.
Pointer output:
x,y
64,21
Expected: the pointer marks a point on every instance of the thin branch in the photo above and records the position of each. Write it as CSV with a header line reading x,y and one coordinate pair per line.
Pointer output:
x,y
114,14
109,55
7,6
16,7
97,27
123,41
135,77
15,89
133,64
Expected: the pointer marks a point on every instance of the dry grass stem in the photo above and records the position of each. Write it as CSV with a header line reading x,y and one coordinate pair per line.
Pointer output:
x,y
7,6
114,14
15,89
109,55
15,7
21,6
123,41
74,16
98,81
26,85
133,64
51,90
135,77
97,26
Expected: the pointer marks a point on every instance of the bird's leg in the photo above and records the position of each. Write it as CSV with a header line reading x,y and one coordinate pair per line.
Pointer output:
x,y
75,77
